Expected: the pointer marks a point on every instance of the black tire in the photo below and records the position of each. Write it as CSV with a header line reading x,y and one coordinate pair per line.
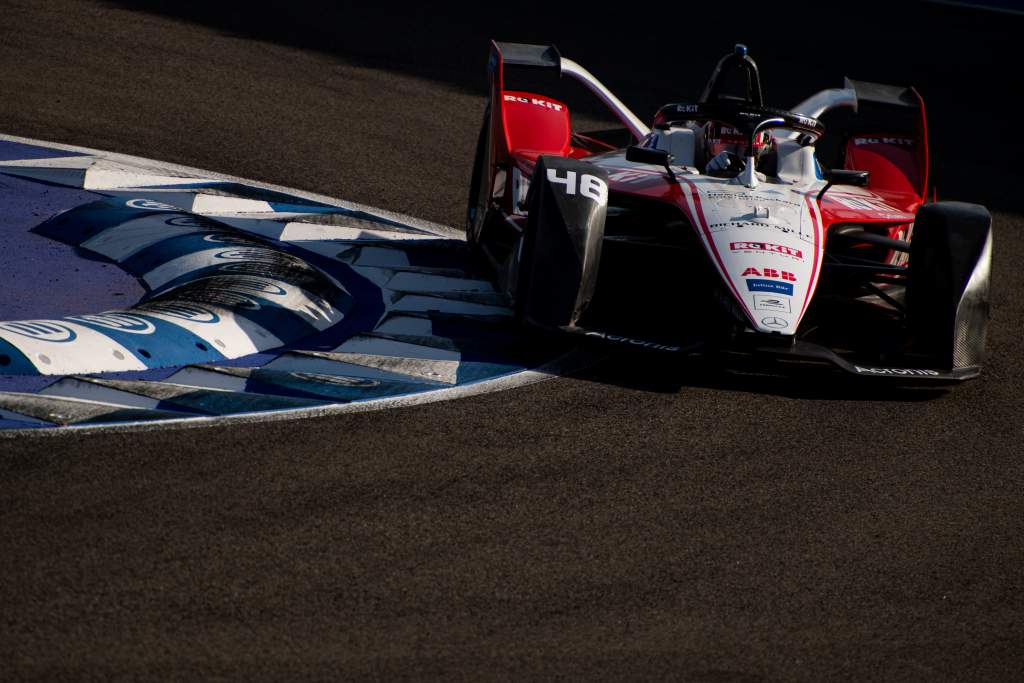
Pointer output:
x,y
948,293
561,250
478,201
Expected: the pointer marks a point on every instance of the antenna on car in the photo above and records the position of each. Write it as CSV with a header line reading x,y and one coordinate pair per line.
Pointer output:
x,y
736,61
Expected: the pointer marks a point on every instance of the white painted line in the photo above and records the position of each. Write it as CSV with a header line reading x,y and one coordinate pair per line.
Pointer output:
x,y
70,387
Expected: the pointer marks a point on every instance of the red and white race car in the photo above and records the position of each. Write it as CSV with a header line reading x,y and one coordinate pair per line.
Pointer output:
x,y
717,228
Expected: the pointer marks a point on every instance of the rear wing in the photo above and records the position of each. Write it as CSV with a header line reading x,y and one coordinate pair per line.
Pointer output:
x,y
893,109
536,56
548,57
880,93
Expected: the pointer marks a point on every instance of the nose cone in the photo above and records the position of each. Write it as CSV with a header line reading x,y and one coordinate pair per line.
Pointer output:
x,y
771,278
766,244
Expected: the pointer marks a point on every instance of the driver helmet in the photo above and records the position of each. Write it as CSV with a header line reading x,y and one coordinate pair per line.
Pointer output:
x,y
720,137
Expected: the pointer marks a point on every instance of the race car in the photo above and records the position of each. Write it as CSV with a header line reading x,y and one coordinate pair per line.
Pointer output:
x,y
719,228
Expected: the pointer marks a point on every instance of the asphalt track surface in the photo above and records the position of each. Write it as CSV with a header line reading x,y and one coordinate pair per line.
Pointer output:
x,y
634,521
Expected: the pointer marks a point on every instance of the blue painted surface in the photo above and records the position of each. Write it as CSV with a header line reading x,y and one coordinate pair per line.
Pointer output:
x,y
169,345
42,278
13,361
26,383
770,286
17,424
57,278
10,151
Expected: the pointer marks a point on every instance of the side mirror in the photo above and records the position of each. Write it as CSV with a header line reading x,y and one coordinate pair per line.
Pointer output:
x,y
652,156
648,155
841,176
845,177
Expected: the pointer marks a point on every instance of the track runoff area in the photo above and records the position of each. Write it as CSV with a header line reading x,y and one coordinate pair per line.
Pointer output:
x,y
185,297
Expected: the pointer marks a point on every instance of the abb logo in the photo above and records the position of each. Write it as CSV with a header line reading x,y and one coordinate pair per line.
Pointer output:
x,y
534,100
770,272
766,246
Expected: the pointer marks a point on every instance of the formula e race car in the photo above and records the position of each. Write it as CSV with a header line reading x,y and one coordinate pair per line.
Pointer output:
x,y
719,227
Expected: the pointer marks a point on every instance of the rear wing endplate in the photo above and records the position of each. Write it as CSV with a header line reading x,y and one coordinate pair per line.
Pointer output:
x,y
548,57
536,56
897,102
880,93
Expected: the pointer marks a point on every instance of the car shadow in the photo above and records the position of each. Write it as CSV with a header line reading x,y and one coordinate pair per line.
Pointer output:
x,y
663,373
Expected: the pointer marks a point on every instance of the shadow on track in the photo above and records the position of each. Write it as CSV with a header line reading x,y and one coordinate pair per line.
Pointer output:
x,y
669,375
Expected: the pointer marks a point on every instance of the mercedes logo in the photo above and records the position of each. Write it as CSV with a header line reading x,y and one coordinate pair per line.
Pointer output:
x,y
778,323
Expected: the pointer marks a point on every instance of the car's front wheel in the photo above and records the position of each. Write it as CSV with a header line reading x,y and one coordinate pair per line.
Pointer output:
x,y
948,293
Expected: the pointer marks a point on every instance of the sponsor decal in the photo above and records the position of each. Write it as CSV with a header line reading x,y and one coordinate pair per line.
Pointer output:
x,y
770,286
259,260
777,323
245,254
41,330
229,238
632,342
183,311
150,205
768,247
194,222
686,108
233,291
730,225
897,372
220,294
767,302
357,382
121,322
751,197
865,204
883,141
257,286
535,101
590,186
804,121
770,272
635,175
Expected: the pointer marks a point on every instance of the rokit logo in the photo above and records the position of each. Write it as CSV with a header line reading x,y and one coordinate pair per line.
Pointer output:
x,y
768,247
535,101
883,141
589,186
